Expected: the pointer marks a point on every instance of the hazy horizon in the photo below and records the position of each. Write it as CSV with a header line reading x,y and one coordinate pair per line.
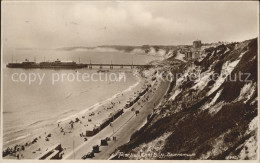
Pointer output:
x,y
125,23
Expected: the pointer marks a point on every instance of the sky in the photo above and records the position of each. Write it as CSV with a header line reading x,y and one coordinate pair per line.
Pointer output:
x,y
65,24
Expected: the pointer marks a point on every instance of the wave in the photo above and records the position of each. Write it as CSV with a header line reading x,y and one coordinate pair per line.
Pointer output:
x,y
34,123
66,112
95,106
18,138
11,131
24,136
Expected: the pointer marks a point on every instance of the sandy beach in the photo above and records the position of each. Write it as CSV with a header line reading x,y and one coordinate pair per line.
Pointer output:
x,y
129,80
71,131
123,127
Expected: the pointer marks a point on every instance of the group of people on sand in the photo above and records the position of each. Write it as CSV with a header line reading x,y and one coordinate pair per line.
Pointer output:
x,y
71,123
84,136
112,105
17,149
14,151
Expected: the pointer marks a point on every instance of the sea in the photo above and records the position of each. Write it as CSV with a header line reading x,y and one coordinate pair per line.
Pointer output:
x,y
29,105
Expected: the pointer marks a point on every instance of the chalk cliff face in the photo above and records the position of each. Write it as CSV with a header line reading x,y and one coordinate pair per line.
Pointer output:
x,y
156,50
209,113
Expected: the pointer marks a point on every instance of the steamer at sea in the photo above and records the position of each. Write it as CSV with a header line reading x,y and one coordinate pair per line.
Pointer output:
x,y
54,64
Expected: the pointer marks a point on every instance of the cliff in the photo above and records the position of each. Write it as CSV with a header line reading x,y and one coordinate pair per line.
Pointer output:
x,y
210,112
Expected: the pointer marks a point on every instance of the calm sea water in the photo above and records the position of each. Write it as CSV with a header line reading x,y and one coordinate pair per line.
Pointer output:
x,y
27,107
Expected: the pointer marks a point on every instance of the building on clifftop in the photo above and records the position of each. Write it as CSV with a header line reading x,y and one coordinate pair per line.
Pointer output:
x,y
197,44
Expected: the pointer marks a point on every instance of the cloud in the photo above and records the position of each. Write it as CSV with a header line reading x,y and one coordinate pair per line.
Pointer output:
x,y
57,24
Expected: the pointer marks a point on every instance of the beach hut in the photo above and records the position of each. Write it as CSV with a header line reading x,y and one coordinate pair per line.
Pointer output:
x,y
89,155
103,142
95,149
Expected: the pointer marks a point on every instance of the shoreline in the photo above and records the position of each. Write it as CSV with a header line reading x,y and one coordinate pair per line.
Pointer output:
x,y
123,127
52,121
56,136
98,104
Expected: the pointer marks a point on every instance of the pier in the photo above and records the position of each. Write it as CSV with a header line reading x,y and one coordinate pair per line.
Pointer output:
x,y
73,65
112,66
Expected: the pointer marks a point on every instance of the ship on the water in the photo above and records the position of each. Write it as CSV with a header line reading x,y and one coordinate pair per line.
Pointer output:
x,y
45,64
